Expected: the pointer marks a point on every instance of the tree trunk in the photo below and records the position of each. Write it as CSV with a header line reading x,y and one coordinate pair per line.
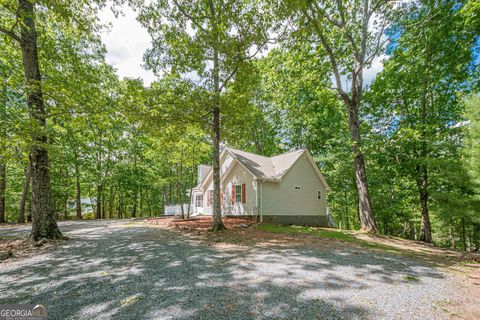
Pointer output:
x,y
180,187
422,184
104,211
3,160
134,208
452,235
98,213
217,210
365,210
110,203
347,212
119,206
192,177
141,202
78,199
476,237
23,199
164,199
3,184
464,235
43,217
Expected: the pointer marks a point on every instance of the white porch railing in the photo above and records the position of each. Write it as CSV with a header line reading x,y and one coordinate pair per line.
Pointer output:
x,y
177,209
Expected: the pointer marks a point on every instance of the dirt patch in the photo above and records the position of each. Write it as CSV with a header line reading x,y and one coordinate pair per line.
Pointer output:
x,y
20,248
199,223
468,275
239,232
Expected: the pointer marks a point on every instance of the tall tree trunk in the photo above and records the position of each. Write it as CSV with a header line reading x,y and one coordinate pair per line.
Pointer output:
x,y
134,207
452,234
217,209
141,202
464,235
43,217
98,212
422,184
3,185
365,210
164,199
180,187
104,211
110,203
192,177
476,237
78,199
119,206
135,191
25,190
170,190
347,212
3,160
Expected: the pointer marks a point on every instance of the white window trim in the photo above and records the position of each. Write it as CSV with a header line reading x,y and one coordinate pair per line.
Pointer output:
x,y
238,195
198,200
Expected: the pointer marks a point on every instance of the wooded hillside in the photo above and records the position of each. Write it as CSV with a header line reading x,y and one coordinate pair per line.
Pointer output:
x,y
400,149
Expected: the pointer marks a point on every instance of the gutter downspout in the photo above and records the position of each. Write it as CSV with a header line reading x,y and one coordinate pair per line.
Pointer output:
x,y
259,196
261,201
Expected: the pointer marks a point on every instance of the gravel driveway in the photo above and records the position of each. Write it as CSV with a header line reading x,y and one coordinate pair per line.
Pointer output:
x,y
130,271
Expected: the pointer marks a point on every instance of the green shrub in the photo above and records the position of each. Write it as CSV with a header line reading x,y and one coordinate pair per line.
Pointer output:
x,y
89,216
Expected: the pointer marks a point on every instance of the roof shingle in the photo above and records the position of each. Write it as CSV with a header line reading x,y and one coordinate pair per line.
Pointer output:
x,y
266,168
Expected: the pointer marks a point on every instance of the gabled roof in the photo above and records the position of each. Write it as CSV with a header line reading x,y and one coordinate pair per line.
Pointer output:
x,y
268,168
272,169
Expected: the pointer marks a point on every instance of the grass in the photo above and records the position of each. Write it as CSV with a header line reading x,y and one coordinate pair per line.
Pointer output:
x,y
131,300
329,234
410,278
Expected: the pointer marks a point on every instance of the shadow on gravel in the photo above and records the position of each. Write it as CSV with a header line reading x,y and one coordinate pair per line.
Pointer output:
x,y
134,272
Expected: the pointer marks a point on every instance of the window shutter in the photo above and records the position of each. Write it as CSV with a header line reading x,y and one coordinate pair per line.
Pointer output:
x,y
233,194
201,200
244,200
208,198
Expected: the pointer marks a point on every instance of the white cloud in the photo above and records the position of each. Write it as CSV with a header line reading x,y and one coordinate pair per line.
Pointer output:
x,y
376,67
126,42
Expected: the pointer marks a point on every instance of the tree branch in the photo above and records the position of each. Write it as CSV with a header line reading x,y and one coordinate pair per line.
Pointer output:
x,y
182,10
10,33
330,54
341,10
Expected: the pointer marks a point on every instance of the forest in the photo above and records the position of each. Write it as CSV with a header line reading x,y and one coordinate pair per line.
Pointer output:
x,y
400,149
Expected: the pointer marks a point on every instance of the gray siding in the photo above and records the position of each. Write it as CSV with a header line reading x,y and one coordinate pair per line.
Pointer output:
x,y
281,199
240,175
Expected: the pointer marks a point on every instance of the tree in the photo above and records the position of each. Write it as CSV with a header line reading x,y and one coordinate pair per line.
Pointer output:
x,y
43,220
420,85
352,36
211,39
3,161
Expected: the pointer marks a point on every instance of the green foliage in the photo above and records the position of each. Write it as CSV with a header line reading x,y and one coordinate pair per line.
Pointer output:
x,y
135,148
329,234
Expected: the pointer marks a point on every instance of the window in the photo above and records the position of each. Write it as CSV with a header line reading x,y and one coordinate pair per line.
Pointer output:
x,y
198,200
319,194
238,193
297,187
209,198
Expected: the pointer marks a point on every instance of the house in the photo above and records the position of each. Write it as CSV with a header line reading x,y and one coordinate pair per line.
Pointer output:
x,y
286,189
88,205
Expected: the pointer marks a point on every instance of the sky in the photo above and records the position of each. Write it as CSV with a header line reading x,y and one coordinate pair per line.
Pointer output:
x,y
127,41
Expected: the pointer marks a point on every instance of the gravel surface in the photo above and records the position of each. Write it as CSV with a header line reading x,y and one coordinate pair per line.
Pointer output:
x,y
122,270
